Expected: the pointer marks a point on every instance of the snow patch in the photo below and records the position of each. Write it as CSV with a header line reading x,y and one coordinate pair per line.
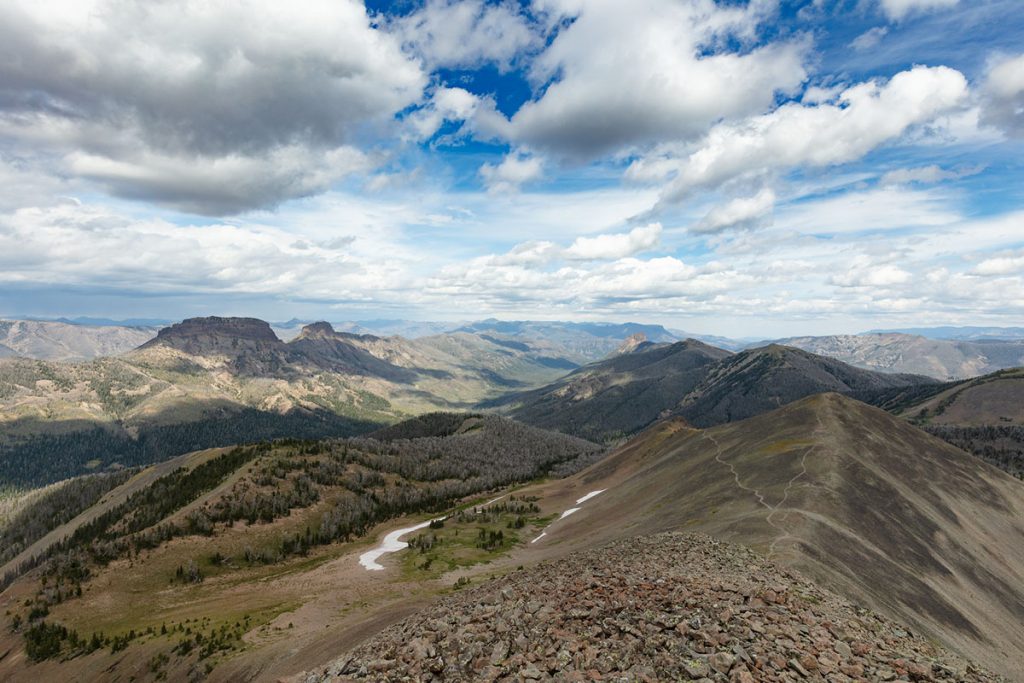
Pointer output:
x,y
542,535
568,512
590,495
390,544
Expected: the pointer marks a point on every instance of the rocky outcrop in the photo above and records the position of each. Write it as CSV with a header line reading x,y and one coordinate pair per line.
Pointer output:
x,y
665,607
633,343
190,334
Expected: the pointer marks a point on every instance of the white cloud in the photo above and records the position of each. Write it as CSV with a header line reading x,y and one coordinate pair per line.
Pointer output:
x,y
928,175
445,104
899,9
453,34
742,212
1003,95
875,210
869,39
224,185
625,74
866,116
514,170
235,82
1006,264
615,246
83,245
865,274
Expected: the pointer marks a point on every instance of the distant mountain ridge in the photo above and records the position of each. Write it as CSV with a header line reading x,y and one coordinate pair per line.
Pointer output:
x,y
958,333
65,341
215,381
700,383
896,352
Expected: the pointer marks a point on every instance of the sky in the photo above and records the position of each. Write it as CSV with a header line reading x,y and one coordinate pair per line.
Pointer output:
x,y
761,168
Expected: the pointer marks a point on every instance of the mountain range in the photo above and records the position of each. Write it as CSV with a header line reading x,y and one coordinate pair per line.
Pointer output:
x,y
216,381
248,563
66,341
941,353
942,359
239,499
704,385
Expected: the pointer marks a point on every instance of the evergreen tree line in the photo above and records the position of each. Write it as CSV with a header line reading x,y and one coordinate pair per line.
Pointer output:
x,y
42,458
999,445
54,508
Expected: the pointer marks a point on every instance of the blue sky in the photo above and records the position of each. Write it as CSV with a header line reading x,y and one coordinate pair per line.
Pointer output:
x,y
762,168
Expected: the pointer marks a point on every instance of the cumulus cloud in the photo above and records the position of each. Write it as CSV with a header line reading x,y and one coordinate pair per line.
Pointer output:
x,y
1004,264
623,74
899,9
1003,96
444,104
863,117
739,213
864,274
242,82
514,170
454,34
615,246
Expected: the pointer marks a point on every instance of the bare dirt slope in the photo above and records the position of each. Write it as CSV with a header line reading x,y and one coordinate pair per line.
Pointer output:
x,y
996,399
862,502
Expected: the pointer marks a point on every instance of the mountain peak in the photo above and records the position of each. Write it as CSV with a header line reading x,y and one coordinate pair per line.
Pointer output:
x,y
632,343
318,329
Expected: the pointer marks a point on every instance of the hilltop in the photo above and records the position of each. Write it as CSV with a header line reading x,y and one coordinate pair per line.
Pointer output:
x,y
619,395
704,385
758,380
657,608
856,499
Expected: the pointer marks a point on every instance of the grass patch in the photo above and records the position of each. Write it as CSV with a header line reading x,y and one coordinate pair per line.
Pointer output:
x,y
469,538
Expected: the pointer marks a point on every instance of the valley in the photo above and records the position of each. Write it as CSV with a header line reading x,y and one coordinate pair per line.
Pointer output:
x,y
263,559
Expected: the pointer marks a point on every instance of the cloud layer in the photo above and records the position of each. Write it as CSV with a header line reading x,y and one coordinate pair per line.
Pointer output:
x,y
266,98
670,160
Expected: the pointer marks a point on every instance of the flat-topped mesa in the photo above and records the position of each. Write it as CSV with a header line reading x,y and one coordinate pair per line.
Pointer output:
x,y
318,329
240,328
200,336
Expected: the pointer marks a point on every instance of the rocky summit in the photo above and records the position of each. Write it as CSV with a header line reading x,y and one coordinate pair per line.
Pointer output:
x,y
670,606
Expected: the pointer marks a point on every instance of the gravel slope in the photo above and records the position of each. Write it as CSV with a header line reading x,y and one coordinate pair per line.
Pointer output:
x,y
670,606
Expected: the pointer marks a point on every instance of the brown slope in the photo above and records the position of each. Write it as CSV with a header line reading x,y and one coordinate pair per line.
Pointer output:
x,y
990,400
864,503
